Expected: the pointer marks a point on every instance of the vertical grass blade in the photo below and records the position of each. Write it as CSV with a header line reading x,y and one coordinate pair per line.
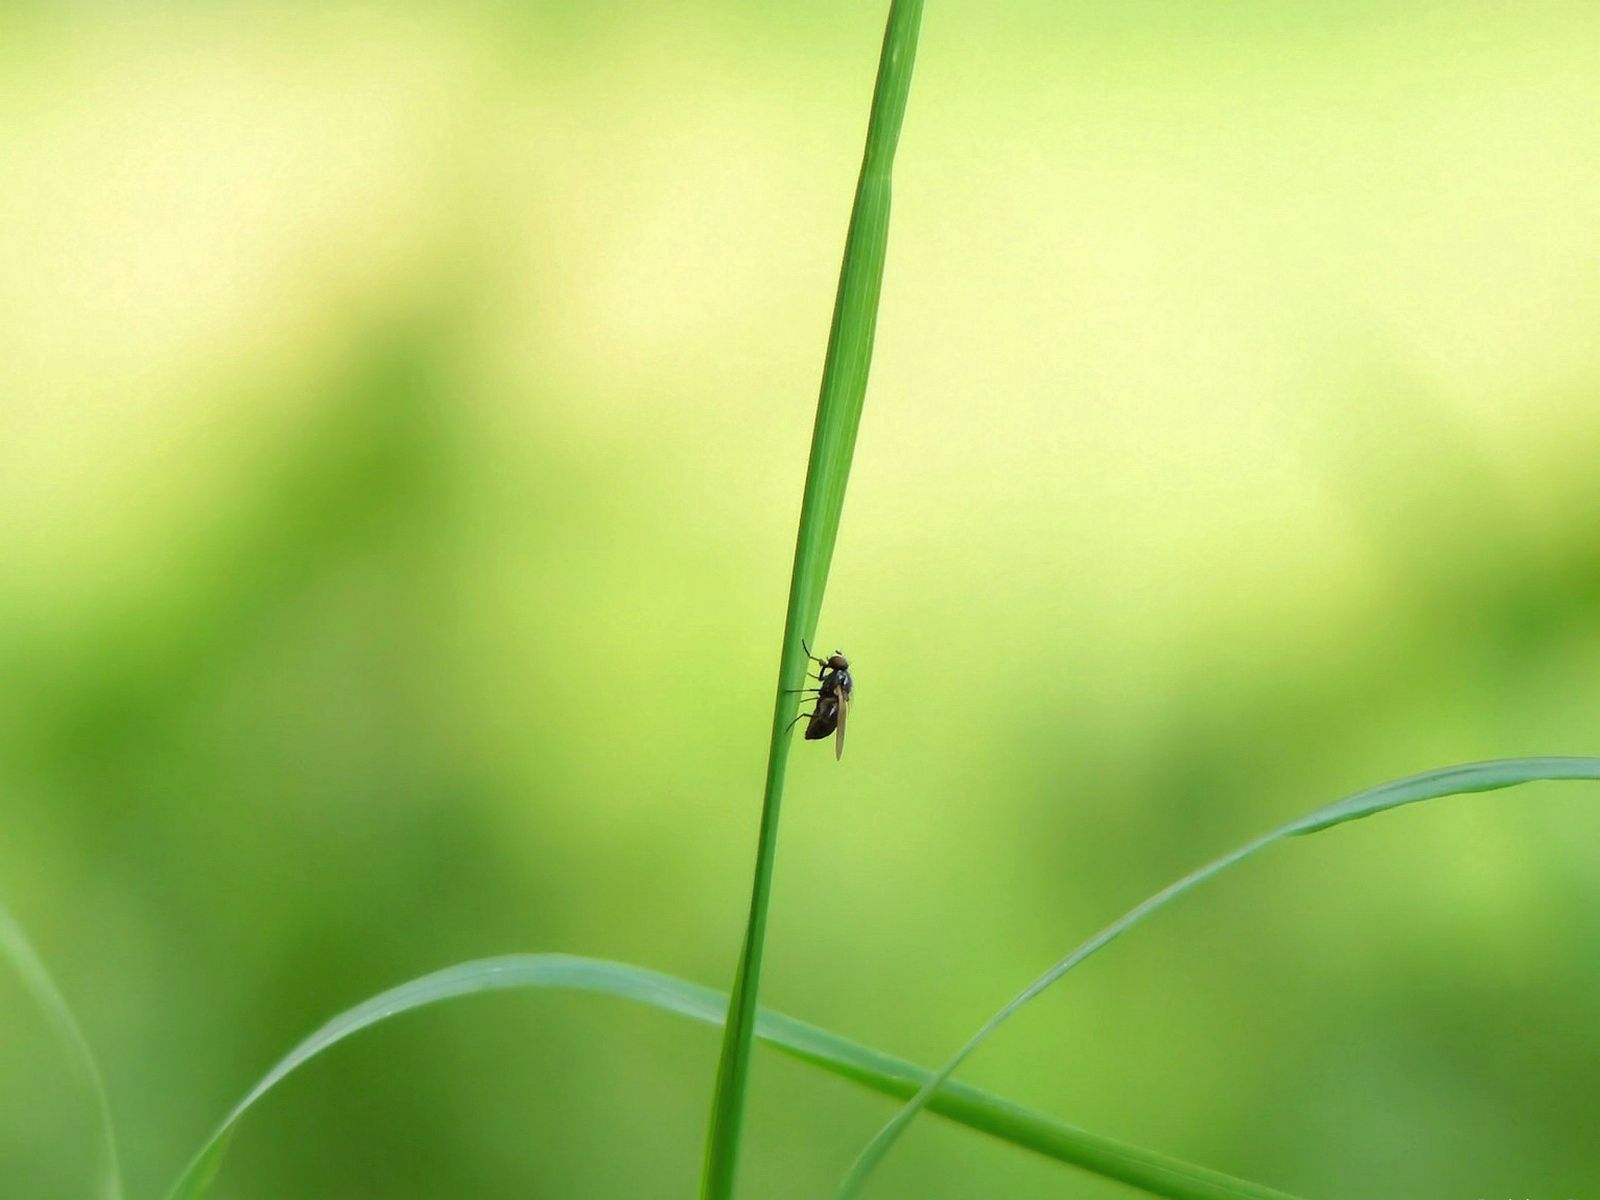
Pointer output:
x,y
833,439
15,947
1429,785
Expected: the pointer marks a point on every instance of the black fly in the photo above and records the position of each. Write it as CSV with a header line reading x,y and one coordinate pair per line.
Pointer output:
x,y
835,689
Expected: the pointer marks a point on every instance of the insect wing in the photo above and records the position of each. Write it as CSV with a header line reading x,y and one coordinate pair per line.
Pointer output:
x,y
842,704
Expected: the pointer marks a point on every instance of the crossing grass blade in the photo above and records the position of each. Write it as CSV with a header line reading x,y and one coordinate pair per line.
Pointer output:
x,y
18,950
1152,1173
1430,785
833,439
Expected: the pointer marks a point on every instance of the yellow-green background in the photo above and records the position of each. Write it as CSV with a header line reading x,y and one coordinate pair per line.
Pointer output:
x,y
403,413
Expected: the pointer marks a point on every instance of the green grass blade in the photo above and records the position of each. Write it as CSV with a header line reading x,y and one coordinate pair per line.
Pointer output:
x,y
833,439
1430,785
1153,1173
15,947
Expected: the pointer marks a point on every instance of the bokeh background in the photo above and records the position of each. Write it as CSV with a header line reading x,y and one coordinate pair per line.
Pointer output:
x,y
403,414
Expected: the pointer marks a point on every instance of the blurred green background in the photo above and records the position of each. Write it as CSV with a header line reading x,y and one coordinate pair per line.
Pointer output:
x,y
403,413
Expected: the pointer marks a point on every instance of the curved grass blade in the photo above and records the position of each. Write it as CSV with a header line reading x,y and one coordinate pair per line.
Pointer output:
x,y
1154,1173
833,439
1430,785
14,946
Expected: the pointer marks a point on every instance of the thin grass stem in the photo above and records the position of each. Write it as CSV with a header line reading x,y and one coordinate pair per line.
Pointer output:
x,y
1428,785
844,386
